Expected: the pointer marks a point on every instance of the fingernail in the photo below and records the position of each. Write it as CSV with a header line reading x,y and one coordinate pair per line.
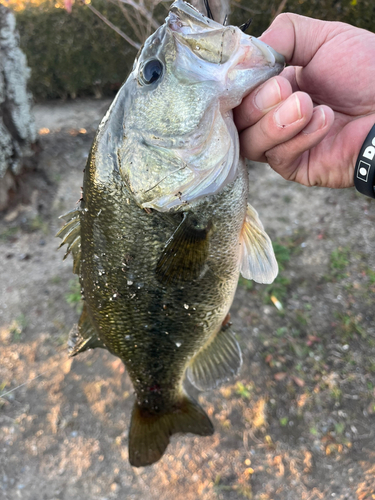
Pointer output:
x,y
269,95
289,112
318,120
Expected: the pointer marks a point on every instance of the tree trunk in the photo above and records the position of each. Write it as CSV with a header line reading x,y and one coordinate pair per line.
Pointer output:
x,y
17,127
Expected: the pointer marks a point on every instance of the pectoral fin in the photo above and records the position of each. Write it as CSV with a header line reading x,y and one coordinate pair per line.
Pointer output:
x,y
258,261
70,233
83,336
216,362
186,251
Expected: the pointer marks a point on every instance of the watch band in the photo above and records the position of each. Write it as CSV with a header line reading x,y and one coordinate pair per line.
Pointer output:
x,y
364,172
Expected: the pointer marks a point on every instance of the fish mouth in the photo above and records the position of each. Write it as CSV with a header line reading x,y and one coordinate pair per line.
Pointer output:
x,y
218,44
253,54
189,15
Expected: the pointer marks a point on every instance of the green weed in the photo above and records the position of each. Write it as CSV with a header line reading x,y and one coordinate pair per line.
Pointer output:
x,y
248,284
371,276
279,288
17,327
339,261
348,327
336,393
302,317
282,254
8,233
38,224
245,491
339,428
243,390
74,296
281,331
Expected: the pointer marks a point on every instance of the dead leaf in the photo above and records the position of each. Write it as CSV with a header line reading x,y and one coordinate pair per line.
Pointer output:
x,y
298,381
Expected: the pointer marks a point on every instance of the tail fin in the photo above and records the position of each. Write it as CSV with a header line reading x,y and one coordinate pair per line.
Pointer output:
x,y
149,433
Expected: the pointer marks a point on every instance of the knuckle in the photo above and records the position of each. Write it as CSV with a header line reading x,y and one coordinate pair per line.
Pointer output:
x,y
286,18
274,159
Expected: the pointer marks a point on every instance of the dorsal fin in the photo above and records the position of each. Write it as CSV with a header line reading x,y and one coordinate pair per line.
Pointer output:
x,y
70,234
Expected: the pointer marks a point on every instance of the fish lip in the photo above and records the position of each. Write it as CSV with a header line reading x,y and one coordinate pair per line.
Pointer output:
x,y
271,55
254,54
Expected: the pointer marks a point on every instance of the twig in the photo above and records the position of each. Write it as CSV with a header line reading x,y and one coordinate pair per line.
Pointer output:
x,y
129,16
279,9
246,9
145,13
111,25
139,21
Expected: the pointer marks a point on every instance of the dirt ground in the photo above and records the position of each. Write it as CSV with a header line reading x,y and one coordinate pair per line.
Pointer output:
x,y
297,424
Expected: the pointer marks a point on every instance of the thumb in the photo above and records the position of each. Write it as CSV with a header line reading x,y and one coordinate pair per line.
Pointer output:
x,y
296,37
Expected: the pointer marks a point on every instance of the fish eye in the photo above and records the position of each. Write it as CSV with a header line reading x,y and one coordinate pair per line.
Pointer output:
x,y
151,71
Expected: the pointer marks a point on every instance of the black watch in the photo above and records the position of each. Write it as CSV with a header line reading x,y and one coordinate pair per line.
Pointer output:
x,y
364,172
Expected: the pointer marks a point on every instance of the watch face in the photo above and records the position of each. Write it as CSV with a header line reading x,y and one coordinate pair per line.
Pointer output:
x,y
363,170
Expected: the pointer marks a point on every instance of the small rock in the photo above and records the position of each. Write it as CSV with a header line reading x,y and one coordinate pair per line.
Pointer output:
x,y
24,256
114,487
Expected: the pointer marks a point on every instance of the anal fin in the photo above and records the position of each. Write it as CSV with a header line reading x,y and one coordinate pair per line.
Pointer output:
x,y
258,261
83,336
149,433
186,251
218,361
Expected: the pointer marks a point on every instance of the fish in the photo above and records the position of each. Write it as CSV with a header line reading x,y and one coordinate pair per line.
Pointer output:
x,y
164,228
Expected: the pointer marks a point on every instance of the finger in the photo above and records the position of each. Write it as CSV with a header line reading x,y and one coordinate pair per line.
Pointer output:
x,y
296,37
290,74
291,159
261,100
279,125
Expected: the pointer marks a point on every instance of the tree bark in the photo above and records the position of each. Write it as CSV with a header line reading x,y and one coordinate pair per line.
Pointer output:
x,y
17,127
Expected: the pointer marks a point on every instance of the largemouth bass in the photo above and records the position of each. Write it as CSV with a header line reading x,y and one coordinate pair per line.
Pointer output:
x,y
164,226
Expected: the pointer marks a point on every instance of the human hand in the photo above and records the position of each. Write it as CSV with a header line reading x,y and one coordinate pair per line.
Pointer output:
x,y
310,122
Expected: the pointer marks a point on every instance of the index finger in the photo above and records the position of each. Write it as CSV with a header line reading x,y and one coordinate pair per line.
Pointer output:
x,y
297,38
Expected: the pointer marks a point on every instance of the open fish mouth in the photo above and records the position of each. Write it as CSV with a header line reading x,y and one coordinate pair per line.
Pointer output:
x,y
215,43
